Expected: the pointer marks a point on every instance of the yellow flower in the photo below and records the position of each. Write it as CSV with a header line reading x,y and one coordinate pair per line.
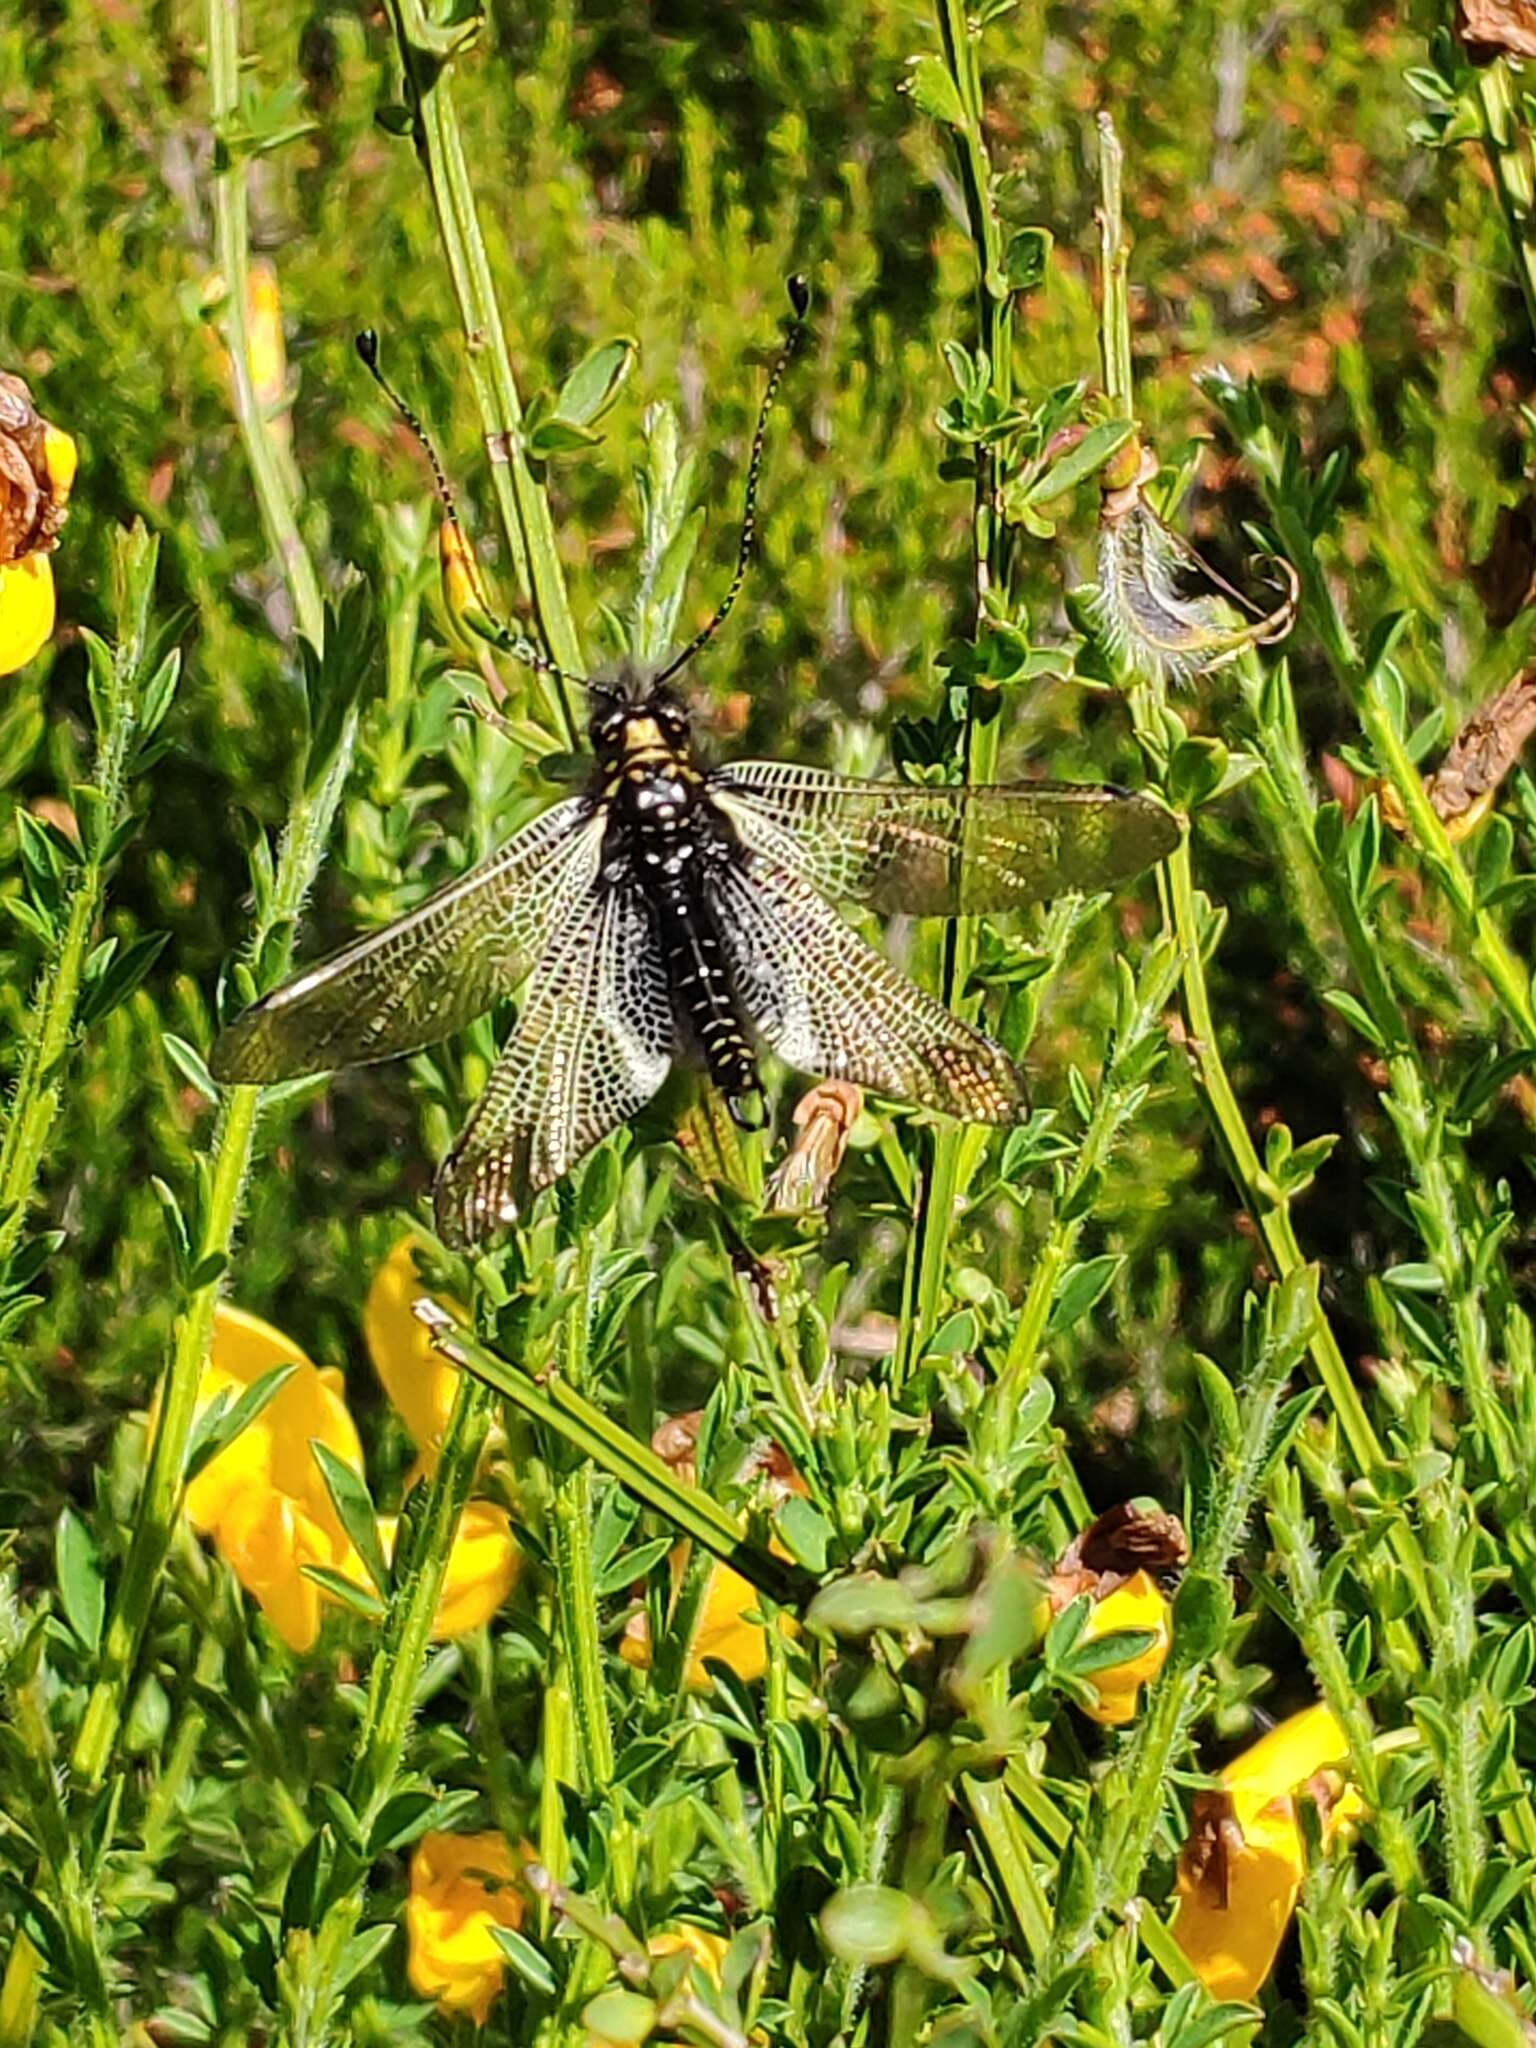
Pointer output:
x,y
482,1567
1139,1603
418,1380
723,1631
266,353
1243,1865
263,1499
37,472
461,1887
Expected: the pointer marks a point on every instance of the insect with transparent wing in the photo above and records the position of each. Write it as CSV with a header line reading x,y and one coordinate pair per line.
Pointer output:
x,y
680,911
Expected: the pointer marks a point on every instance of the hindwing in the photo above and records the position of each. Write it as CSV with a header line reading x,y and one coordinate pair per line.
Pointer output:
x,y
830,1004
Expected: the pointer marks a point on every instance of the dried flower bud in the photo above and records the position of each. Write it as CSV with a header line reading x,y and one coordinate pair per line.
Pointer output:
x,y
37,469
1496,28
674,1440
1138,1535
824,1117
1462,789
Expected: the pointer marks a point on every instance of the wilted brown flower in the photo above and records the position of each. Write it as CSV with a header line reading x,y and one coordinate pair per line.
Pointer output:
x,y
36,470
1496,28
1463,787
823,1117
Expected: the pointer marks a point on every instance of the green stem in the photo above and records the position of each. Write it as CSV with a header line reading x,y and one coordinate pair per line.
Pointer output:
x,y
1366,691
310,1973
1316,1622
571,1518
1509,160
1266,1205
1454,1540
426,54
233,1143
954,1151
232,241
1115,1104
51,1012
413,1605
1114,1843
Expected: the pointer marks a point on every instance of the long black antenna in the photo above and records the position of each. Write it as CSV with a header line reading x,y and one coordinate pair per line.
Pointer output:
x,y
800,298
495,630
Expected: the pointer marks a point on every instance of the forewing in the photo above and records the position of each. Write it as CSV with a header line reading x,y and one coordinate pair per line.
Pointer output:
x,y
430,972
591,1048
941,852
829,1004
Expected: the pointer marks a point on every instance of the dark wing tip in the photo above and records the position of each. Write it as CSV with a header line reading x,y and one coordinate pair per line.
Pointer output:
x,y
1165,827
238,1055
977,1081
477,1195
250,1052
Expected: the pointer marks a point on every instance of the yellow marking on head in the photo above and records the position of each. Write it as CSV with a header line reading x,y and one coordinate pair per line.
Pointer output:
x,y
640,733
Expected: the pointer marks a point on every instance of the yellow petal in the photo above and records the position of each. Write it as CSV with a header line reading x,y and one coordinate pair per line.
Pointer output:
x,y
273,1453
26,610
706,1948
1139,1604
482,1570
1232,1947
61,459
265,1538
461,1887
418,1380
720,1632
274,1450
265,351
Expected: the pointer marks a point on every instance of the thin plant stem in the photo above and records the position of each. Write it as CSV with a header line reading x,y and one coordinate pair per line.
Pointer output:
x,y
1117,1101
1508,152
635,1465
1316,1622
232,240
1409,1100
230,1152
55,1000
311,1981
1266,1204
955,1152
1365,686
426,54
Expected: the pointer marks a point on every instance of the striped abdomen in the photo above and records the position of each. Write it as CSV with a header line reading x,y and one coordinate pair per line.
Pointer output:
x,y
705,1000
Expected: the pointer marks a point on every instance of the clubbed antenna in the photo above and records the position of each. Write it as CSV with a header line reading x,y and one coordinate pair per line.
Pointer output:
x,y
800,299
480,616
